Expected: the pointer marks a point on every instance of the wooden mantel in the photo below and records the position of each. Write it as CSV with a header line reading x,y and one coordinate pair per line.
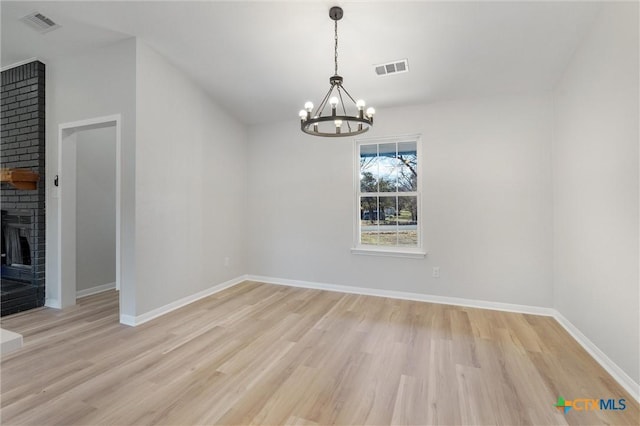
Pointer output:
x,y
20,178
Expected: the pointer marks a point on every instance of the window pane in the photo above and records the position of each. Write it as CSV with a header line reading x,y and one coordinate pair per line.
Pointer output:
x,y
369,220
369,168
370,150
388,208
408,221
387,167
387,219
407,167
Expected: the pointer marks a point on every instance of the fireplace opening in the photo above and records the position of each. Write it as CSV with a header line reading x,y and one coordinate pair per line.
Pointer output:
x,y
16,251
16,245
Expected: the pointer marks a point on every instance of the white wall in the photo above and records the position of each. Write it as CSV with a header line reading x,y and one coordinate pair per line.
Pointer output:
x,y
595,167
487,203
98,83
190,187
96,208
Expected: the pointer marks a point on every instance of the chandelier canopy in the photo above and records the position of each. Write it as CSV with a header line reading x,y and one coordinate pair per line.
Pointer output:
x,y
338,121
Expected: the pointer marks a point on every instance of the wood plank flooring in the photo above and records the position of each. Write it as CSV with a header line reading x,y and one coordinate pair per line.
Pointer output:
x,y
265,354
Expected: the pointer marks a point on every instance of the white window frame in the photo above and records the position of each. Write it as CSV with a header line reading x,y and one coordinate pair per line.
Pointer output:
x,y
391,251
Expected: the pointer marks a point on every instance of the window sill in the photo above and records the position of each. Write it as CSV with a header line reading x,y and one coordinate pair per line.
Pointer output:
x,y
396,252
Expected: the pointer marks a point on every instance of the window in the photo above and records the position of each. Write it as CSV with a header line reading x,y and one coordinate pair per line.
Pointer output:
x,y
388,197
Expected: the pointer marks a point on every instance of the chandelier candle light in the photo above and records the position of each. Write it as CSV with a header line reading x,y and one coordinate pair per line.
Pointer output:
x,y
338,122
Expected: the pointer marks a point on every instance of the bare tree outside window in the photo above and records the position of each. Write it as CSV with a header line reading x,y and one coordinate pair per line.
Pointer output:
x,y
388,194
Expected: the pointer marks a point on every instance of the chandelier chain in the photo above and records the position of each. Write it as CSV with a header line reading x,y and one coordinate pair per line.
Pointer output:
x,y
335,56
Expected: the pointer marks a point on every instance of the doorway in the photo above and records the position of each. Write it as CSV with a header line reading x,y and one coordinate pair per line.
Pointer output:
x,y
89,215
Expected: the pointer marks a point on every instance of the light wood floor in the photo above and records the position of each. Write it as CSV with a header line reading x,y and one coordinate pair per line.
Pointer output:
x,y
264,354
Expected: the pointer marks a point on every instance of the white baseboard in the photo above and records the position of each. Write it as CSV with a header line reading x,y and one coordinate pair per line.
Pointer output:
x,y
94,290
155,313
612,368
420,297
128,320
52,303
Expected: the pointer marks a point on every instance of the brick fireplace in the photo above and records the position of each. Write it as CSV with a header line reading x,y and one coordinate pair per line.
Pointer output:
x,y
22,138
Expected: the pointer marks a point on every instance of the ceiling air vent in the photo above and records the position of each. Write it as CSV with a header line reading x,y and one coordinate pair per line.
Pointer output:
x,y
394,67
39,22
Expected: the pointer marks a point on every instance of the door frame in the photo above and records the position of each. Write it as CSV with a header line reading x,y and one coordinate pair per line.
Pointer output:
x,y
67,132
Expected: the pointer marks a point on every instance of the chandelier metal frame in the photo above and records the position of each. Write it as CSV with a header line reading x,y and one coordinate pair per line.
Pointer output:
x,y
310,120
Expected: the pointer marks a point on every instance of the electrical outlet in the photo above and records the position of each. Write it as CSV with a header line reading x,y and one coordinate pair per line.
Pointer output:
x,y
226,262
436,272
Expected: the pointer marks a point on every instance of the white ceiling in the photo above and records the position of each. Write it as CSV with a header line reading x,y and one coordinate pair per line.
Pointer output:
x,y
263,60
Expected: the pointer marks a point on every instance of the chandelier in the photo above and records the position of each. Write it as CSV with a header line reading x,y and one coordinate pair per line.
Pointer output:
x,y
337,121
